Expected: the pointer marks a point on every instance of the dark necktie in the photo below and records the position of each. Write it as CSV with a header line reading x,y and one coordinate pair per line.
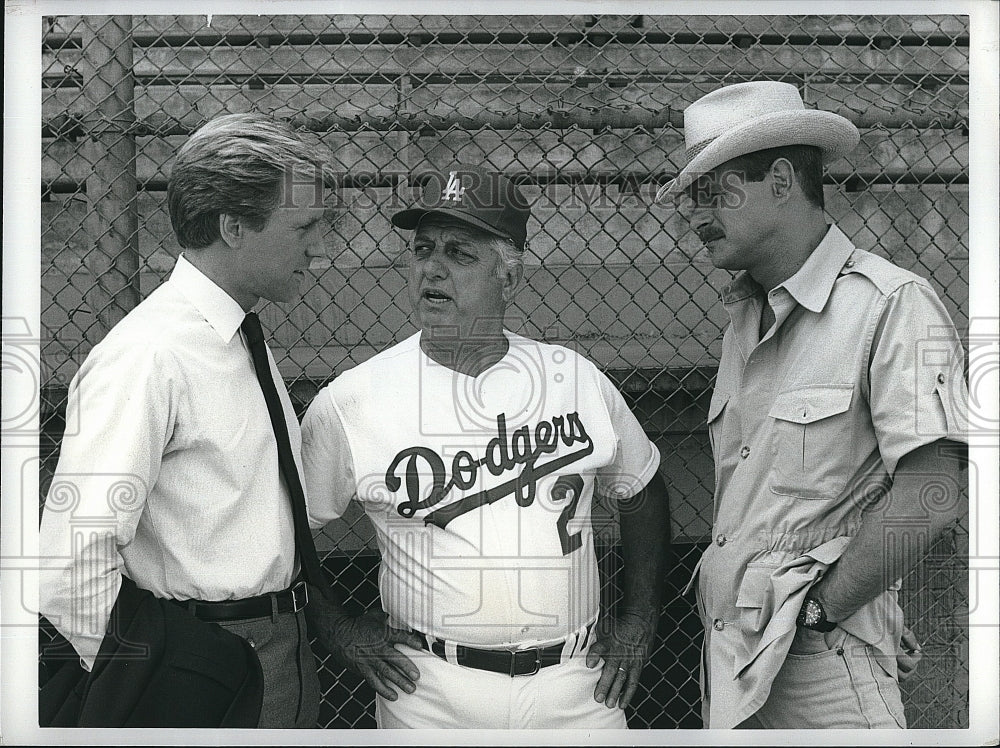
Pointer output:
x,y
303,537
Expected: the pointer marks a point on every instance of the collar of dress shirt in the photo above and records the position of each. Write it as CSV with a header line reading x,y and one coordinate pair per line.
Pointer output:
x,y
218,308
743,287
811,284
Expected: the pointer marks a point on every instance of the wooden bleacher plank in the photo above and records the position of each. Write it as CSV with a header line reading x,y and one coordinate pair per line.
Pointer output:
x,y
180,28
184,106
539,156
441,61
867,104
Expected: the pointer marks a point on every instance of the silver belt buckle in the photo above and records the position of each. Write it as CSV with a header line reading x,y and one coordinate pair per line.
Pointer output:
x,y
296,596
513,661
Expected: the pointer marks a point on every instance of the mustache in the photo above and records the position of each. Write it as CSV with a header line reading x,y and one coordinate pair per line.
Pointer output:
x,y
710,233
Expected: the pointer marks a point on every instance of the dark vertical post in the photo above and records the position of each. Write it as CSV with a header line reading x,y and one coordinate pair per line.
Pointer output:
x,y
112,222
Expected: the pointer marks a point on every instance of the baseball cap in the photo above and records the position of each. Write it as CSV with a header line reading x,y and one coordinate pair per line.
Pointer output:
x,y
486,200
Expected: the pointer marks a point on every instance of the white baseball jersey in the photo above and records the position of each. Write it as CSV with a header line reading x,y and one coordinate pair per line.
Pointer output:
x,y
479,488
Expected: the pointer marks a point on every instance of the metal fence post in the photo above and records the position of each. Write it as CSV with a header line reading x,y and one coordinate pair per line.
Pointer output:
x,y
112,221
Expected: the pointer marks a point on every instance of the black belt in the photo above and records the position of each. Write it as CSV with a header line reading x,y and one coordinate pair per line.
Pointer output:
x,y
290,600
508,661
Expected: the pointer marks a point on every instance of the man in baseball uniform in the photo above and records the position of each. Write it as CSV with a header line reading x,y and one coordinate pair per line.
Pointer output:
x,y
836,425
477,454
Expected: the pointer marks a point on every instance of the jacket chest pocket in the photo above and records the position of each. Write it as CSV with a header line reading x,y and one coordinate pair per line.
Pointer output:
x,y
813,441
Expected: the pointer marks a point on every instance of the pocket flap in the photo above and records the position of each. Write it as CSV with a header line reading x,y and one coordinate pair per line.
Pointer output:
x,y
719,400
755,586
809,404
829,552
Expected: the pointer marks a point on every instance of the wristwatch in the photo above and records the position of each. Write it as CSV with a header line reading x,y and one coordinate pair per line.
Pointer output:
x,y
812,616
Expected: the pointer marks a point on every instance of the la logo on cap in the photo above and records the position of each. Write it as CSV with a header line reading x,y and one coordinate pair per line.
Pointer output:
x,y
454,189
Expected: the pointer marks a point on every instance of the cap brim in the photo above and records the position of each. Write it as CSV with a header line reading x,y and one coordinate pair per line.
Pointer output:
x,y
835,135
411,217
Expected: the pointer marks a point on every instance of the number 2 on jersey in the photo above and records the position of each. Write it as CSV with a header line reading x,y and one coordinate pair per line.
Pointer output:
x,y
568,487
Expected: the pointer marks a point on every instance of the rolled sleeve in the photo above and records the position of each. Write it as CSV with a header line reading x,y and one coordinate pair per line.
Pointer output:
x,y
327,461
918,392
636,457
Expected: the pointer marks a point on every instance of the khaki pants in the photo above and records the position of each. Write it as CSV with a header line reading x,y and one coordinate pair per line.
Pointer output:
x,y
830,681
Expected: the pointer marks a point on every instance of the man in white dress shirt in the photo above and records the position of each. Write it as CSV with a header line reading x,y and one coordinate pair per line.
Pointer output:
x,y
172,476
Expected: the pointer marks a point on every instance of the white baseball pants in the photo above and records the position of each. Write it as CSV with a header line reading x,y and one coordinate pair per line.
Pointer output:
x,y
452,696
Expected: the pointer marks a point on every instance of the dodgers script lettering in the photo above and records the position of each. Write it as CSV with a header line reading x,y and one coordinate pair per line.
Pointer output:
x,y
503,454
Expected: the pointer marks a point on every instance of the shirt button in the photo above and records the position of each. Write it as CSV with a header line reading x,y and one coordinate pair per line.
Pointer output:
x,y
745,452
252,643
940,378
720,541
718,625
849,264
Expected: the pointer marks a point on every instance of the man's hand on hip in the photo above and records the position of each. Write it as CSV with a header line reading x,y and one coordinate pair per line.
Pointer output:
x,y
365,644
625,650
909,655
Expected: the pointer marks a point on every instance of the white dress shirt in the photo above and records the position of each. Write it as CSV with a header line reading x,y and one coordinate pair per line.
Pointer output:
x,y
168,470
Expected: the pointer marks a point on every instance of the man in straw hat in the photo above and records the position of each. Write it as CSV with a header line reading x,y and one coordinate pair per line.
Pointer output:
x,y
477,454
837,413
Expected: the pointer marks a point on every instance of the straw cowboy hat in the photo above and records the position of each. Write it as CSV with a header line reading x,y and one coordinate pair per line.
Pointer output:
x,y
747,117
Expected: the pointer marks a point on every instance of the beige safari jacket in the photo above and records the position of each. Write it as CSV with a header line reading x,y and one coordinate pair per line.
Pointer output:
x,y
862,366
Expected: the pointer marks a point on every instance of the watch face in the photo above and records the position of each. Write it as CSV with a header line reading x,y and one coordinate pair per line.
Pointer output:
x,y
811,613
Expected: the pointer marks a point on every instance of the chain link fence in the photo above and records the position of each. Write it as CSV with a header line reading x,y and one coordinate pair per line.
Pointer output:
x,y
585,113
